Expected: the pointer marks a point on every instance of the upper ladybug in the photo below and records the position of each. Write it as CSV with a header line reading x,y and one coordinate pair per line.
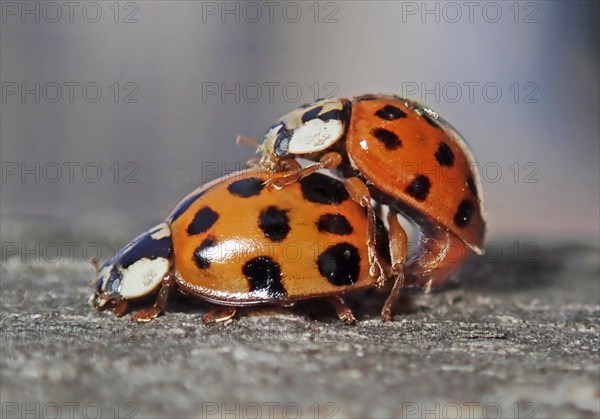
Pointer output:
x,y
400,153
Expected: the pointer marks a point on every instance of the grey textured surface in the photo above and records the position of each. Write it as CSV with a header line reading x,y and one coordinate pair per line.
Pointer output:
x,y
510,339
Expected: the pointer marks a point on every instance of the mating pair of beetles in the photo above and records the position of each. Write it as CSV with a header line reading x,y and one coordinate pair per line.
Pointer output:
x,y
303,222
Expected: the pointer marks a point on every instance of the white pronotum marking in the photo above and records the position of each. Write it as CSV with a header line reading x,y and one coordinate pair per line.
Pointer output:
x,y
315,135
142,277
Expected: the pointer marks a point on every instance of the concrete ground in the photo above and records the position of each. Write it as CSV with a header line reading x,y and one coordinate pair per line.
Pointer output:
x,y
515,337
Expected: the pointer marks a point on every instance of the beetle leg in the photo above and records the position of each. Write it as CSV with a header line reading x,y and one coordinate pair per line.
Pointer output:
x,y
293,174
296,172
144,315
360,194
343,311
119,307
398,244
219,315
441,254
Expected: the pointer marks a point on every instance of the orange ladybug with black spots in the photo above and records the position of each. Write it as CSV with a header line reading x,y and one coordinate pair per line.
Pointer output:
x,y
234,242
398,153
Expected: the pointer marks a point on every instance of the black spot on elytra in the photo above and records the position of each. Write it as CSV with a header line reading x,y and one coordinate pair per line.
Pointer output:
x,y
334,224
183,206
471,185
340,264
464,213
387,138
390,113
204,219
419,188
245,188
264,277
311,114
444,155
274,223
203,253
323,189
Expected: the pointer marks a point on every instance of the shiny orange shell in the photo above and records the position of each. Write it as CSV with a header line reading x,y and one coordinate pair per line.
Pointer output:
x,y
236,242
411,155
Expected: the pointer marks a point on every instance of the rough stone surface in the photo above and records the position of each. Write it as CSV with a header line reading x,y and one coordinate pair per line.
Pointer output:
x,y
518,337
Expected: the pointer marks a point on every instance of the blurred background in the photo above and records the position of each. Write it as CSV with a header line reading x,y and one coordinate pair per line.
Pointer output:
x,y
112,112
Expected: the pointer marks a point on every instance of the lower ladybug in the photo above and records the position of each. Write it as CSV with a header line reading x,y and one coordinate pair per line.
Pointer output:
x,y
234,242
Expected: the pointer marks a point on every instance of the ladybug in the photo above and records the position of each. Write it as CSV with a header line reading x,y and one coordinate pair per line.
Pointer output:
x,y
393,152
234,242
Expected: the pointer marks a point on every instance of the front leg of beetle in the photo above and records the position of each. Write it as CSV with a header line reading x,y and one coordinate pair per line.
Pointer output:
x,y
343,311
219,314
295,172
398,244
146,314
360,194
117,304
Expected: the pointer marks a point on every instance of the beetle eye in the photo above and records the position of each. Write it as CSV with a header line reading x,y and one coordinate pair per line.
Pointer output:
x,y
280,136
113,282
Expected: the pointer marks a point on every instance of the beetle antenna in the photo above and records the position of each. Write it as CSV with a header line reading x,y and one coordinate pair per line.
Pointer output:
x,y
240,139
